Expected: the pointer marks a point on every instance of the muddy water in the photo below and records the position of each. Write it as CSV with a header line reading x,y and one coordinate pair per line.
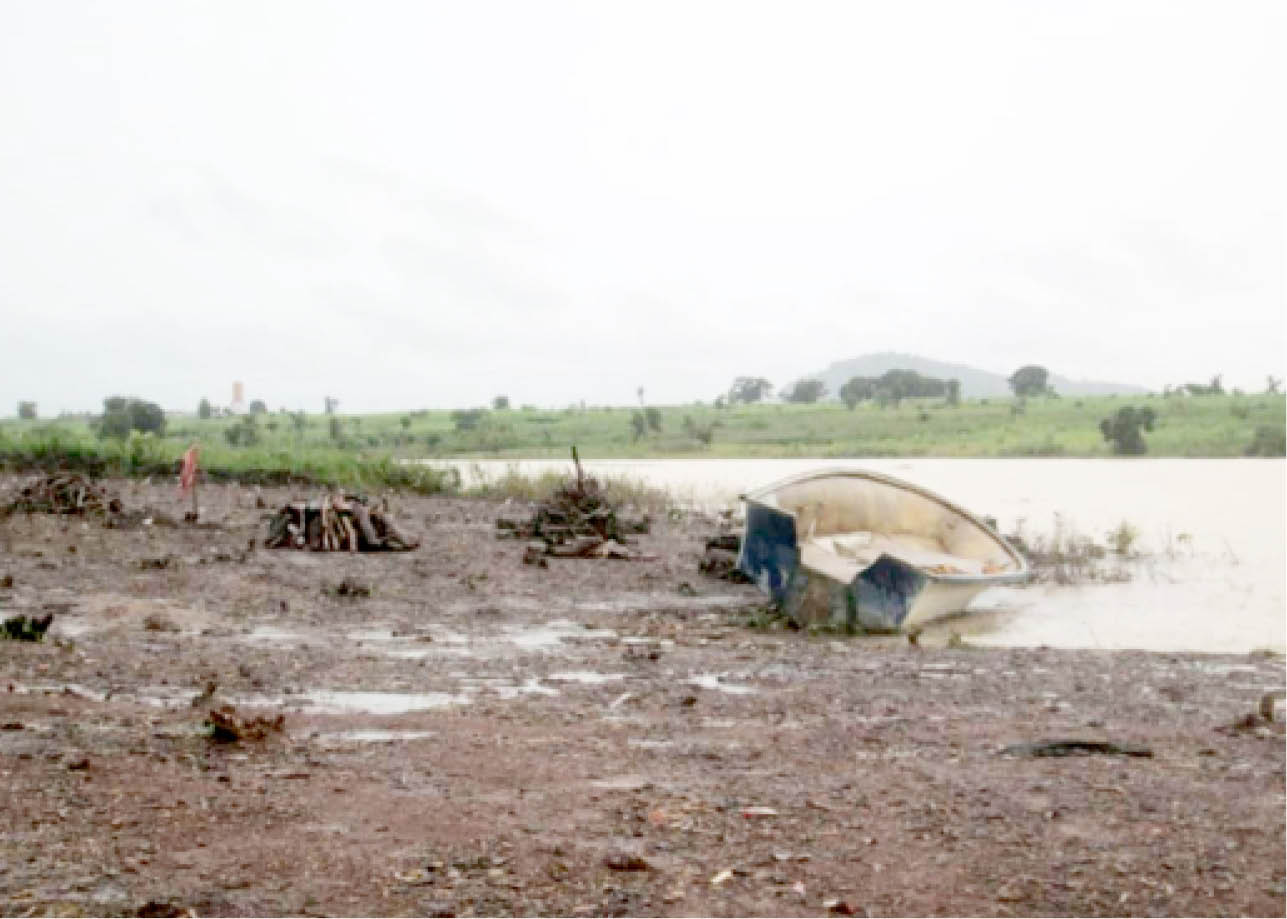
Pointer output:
x,y
1211,536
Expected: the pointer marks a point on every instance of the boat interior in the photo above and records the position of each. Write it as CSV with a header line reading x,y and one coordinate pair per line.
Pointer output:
x,y
845,521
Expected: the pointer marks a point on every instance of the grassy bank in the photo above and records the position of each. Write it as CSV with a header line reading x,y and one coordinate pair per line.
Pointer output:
x,y
363,451
52,447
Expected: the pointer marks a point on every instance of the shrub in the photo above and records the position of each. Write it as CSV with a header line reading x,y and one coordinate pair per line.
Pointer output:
x,y
1269,441
27,410
467,419
1123,429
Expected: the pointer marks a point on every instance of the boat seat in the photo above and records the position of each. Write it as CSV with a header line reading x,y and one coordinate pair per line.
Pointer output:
x,y
843,555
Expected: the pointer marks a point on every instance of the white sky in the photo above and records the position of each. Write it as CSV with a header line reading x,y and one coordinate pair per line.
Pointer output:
x,y
426,204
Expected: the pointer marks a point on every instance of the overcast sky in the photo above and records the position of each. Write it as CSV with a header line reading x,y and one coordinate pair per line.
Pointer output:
x,y
422,204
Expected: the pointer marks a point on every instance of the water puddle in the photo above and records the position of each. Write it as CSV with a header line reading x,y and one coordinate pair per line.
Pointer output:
x,y
507,689
554,633
341,702
717,681
588,677
373,735
274,633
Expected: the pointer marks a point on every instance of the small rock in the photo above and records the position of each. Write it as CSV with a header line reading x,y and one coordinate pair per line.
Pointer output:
x,y
79,764
721,877
627,861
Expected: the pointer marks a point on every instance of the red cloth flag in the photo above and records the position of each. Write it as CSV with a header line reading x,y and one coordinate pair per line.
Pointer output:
x,y
188,473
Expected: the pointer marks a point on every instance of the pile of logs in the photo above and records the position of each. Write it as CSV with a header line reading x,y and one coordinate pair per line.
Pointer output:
x,y
336,523
63,493
577,520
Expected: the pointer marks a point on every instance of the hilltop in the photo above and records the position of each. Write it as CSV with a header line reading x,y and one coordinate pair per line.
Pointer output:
x,y
975,383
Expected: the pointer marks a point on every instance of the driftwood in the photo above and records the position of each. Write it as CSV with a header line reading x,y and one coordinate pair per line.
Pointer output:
x,y
336,523
63,494
577,521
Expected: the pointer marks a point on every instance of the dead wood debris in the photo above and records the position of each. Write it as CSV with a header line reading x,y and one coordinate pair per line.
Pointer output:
x,y
1075,747
62,494
576,521
720,560
336,523
26,628
227,726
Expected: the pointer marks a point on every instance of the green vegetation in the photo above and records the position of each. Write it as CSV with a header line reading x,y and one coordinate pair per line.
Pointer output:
x,y
75,447
363,450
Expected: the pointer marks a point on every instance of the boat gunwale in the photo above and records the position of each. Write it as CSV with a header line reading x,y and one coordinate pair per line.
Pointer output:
x,y
1001,577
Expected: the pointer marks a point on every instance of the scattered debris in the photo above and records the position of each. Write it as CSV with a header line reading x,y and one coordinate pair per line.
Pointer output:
x,y
577,521
349,587
750,812
226,726
1266,721
156,622
627,861
721,877
27,628
1074,747
336,523
63,494
720,560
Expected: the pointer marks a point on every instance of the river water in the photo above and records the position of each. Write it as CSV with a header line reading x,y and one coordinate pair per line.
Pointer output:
x,y
1212,540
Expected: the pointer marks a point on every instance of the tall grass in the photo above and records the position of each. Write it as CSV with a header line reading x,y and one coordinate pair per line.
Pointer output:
x,y
50,447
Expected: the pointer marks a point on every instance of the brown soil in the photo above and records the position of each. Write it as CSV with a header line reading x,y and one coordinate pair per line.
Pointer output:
x,y
717,769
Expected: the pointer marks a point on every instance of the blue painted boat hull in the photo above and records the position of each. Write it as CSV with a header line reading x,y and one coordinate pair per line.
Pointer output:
x,y
886,593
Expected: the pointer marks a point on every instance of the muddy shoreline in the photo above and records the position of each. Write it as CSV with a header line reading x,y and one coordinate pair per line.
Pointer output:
x,y
598,737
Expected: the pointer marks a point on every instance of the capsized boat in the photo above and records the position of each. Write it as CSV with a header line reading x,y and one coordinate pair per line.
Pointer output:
x,y
869,552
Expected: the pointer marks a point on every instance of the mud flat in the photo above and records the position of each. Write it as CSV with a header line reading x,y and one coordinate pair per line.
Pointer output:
x,y
597,737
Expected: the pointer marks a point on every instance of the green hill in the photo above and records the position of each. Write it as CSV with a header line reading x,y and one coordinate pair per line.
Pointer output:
x,y
975,383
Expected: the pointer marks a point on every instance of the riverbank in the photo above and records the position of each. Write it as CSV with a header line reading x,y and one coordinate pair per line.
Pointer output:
x,y
601,737
1202,426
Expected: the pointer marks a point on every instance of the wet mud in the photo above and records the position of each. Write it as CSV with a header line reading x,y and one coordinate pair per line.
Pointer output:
x,y
477,736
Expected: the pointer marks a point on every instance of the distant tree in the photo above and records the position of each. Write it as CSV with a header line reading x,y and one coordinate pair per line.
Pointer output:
x,y
204,410
640,393
336,428
1273,385
500,403
331,405
1214,388
1030,380
749,389
654,419
805,391
122,415
858,389
257,407
27,410
1123,430
299,420
953,392
405,421
640,424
